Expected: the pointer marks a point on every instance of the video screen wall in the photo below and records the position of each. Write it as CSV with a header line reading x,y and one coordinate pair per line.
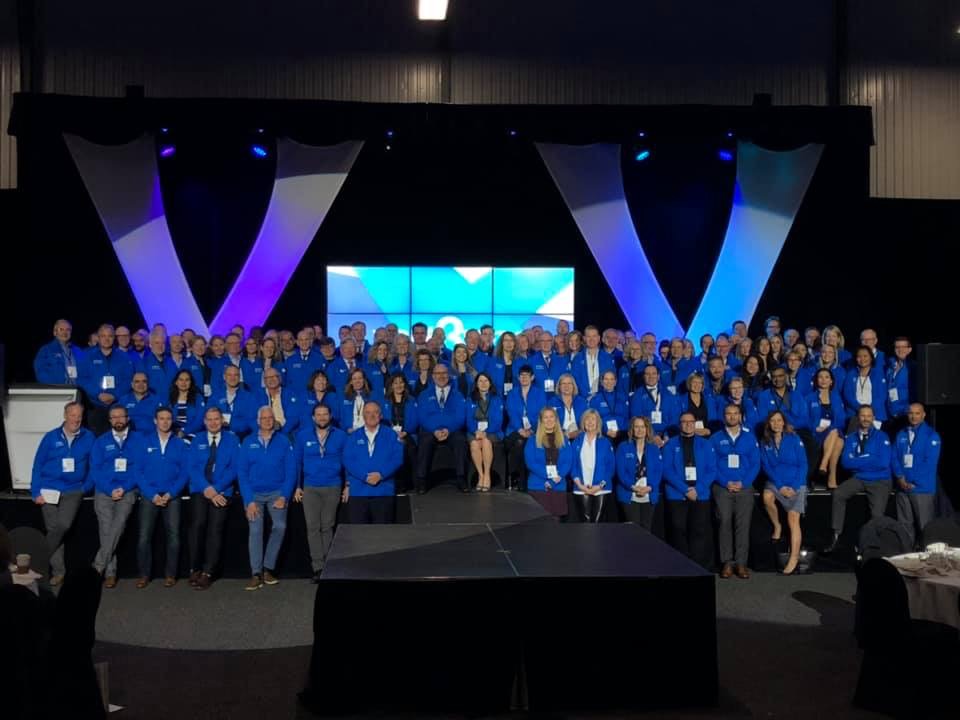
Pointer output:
x,y
454,298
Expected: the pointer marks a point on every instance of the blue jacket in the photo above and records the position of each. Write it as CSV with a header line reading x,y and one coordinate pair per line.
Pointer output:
x,y
160,473
160,372
338,375
408,369
494,416
240,416
516,408
874,463
901,383
297,371
316,468
536,460
330,399
48,471
611,406
605,464
838,415
225,468
497,369
674,470
452,416
270,470
839,375
878,391
194,422
202,374
95,368
345,413
552,372
788,466
642,405
748,411
748,455
578,366
579,405
378,380
386,459
926,455
251,373
675,379
217,366
105,452
410,422
792,405
141,412
50,364
627,470
292,409
709,402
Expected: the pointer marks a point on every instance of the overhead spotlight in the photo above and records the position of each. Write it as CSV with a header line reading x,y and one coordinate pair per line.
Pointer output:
x,y
167,151
389,133
259,150
259,131
729,133
387,147
726,155
642,155
164,130
511,132
432,9
641,133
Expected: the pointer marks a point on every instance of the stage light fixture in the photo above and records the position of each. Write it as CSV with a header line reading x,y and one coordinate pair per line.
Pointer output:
x,y
432,9
641,133
729,133
642,155
259,150
164,130
726,155
512,133
389,133
167,151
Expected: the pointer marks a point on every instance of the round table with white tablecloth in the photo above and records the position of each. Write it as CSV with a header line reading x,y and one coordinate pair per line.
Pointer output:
x,y
933,585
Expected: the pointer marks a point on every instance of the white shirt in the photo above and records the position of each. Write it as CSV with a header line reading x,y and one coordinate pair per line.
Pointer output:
x,y
593,370
655,394
211,438
569,421
357,412
121,439
588,459
371,436
864,390
163,443
442,394
734,434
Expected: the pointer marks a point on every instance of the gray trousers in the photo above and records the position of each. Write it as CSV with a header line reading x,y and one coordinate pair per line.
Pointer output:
x,y
915,511
878,492
734,511
320,513
112,518
58,519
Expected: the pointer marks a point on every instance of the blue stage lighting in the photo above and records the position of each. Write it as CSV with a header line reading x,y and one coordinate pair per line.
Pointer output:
x,y
164,130
730,134
642,155
641,133
389,133
726,155
259,150
167,151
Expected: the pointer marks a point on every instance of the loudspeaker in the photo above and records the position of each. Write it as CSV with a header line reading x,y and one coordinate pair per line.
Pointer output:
x,y
938,374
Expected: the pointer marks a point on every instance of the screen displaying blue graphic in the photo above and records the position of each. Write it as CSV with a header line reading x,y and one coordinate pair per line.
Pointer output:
x,y
452,298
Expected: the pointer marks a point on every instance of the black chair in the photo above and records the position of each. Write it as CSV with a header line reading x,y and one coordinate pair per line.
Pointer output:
x,y
888,637
884,537
945,530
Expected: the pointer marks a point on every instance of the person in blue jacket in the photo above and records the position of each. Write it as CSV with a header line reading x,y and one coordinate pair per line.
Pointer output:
x,y
675,370
61,467
569,404
504,366
162,473
869,340
524,403
737,395
484,416
655,403
590,364
547,365
592,475
639,472
141,403
378,368
238,405
267,472
715,382
827,358
916,453
372,457
284,402
612,406
186,403
305,361
865,384
340,369
103,374
780,397
784,462
549,459
699,403
113,463
404,360
251,365
57,362
198,366
319,392
689,467
826,417
866,454
319,453
900,375
156,364
462,371
355,395
442,413
400,412
212,460
738,464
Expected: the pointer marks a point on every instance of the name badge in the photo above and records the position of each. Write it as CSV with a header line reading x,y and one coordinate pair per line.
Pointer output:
x,y
226,417
119,464
482,425
72,372
108,382
398,428
698,424
823,424
877,424
552,473
893,394
908,460
733,461
67,465
526,423
507,387
690,474
672,389
548,385
656,417
207,390
612,425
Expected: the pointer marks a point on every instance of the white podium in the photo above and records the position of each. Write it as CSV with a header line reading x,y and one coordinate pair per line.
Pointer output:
x,y
29,412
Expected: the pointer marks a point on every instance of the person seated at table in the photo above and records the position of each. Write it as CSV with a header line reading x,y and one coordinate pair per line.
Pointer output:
x,y
372,457
569,404
186,402
356,394
698,404
441,410
592,474
865,384
738,464
549,460
523,403
319,392
484,415
827,418
866,454
612,406
639,471
784,462
400,412
689,468
916,454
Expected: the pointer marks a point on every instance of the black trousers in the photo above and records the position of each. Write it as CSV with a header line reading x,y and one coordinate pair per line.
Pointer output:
x,y
379,509
428,443
689,523
513,444
403,480
205,533
639,513
590,508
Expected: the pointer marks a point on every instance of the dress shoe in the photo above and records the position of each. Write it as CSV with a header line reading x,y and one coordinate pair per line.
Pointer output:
x,y
833,544
203,582
56,580
111,582
727,570
142,583
743,572
169,582
195,577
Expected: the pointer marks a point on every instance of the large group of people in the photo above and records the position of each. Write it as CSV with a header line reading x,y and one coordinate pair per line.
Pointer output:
x,y
596,426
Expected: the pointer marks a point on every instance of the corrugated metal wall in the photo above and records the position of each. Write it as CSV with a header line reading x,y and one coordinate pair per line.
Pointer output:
x,y
9,84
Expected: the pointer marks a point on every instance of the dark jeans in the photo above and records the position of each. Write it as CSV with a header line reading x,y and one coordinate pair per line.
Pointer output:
x,y
171,524
403,480
639,513
372,510
428,443
689,523
205,534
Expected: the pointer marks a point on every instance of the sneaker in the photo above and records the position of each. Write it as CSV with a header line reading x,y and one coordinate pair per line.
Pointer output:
x,y
269,578
256,582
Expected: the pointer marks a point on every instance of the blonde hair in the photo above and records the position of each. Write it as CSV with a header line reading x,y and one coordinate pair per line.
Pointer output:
x,y
648,433
558,437
834,328
591,413
576,390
